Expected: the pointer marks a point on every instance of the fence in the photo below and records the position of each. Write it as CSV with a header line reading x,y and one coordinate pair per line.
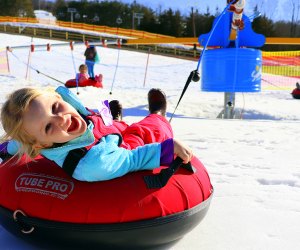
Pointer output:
x,y
281,70
88,27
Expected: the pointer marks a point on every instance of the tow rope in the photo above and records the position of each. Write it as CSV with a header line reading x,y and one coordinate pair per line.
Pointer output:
x,y
39,72
194,75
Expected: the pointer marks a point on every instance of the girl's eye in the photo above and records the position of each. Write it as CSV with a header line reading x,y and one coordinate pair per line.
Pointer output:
x,y
47,128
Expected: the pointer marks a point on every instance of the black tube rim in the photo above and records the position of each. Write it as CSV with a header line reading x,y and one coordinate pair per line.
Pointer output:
x,y
36,222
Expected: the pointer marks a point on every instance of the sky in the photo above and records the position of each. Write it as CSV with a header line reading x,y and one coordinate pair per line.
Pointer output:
x,y
253,160
274,9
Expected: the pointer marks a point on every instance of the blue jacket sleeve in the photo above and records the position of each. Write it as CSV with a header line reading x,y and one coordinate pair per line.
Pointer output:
x,y
106,160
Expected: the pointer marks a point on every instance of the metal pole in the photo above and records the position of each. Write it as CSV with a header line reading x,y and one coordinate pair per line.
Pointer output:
x,y
7,61
193,22
133,20
229,103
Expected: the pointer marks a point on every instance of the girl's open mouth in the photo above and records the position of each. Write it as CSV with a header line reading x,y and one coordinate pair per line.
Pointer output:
x,y
74,125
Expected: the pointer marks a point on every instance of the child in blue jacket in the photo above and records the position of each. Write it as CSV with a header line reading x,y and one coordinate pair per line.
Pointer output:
x,y
56,124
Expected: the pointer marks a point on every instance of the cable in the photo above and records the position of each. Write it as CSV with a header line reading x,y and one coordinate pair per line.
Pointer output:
x,y
194,75
39,72
212,31
280,88
74,65
117,65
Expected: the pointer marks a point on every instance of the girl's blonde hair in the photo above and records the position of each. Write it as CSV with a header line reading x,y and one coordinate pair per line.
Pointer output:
x,y
12,113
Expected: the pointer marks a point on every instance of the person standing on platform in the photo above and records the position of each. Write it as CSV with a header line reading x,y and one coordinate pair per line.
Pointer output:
x,y
91,57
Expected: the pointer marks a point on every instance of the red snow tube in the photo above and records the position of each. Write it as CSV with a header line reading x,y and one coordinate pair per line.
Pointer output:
x,y
296,93
41,204
89,82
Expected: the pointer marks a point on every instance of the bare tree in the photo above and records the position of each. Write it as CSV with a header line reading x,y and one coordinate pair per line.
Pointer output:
x,y
295,4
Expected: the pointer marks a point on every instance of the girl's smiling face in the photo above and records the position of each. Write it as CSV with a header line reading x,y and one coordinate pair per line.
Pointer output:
x,y
49,119
83,70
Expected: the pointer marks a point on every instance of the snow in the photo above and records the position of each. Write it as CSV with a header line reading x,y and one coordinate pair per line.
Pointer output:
x,y
253,161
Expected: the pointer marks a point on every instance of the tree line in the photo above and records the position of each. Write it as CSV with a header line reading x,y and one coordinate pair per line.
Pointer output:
x,y
137,16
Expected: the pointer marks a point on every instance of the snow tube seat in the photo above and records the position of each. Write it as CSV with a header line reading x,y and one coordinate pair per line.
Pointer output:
x,y
296,93
42,205
89,82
